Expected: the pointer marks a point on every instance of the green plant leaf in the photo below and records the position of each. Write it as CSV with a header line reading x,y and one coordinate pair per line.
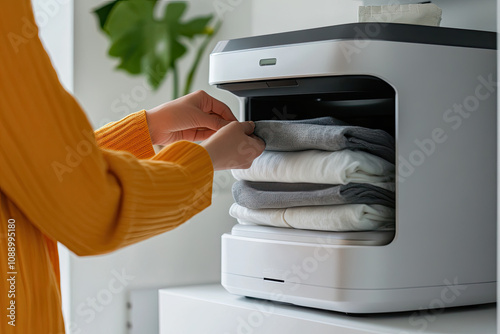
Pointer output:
x,y
172,17
177,29
130,49
102,13
177,50
197,26
147,45
138,39
155,63
174,11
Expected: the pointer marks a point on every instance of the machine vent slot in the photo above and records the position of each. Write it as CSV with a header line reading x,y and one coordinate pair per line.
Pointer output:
x,y
282,83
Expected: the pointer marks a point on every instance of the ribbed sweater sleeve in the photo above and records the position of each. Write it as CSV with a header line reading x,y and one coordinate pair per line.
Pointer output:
x,y
92,199
129,134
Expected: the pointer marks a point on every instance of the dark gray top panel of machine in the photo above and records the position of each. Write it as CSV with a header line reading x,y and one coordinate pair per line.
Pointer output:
x,y
395,32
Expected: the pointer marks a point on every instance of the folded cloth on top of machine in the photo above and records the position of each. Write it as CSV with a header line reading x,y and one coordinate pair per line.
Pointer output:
x,y
312,166
266,195
347,217
324,133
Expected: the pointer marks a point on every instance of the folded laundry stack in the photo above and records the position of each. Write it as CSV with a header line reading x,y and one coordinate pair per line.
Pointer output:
x,y
318,174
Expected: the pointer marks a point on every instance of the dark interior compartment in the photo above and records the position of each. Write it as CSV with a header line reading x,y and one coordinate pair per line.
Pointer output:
x,y
370,113
358,100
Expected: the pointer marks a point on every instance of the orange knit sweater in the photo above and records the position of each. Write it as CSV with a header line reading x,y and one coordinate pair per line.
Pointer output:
x,y
60,182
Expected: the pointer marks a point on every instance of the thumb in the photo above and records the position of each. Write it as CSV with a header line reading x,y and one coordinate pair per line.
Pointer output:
x,y
248,127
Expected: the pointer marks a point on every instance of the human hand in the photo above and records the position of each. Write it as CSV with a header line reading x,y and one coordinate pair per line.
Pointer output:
x,y
193,117
234,146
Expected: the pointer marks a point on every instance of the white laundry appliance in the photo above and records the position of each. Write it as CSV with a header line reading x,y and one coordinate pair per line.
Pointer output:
x,y
434,89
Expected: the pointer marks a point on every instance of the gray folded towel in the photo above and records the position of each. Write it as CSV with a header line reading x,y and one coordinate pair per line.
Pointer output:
x,y
276,195
325,133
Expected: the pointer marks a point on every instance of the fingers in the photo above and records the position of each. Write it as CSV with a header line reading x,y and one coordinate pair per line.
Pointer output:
x,y
234,146
205,133
197,134
259,142
209,104
202,134
248,127
222,110
211,121
258,146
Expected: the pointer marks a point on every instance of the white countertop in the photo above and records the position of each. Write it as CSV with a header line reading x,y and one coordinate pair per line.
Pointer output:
x,y
210,309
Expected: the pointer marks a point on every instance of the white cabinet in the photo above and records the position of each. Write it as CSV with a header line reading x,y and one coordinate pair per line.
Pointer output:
x,y
210,309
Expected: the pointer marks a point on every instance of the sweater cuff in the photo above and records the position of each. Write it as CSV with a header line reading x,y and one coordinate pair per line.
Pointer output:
x,y
197,164
129,134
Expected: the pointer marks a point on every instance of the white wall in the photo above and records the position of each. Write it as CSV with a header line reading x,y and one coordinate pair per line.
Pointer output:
x,y
464,14
270,16
55,23
191,253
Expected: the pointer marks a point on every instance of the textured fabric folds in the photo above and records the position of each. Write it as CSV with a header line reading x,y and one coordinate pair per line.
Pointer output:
x,y
266,195
348,217
325,133
313,166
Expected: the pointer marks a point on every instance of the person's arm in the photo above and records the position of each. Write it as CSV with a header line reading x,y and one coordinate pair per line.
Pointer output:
x,y
129,134
193,117
92,200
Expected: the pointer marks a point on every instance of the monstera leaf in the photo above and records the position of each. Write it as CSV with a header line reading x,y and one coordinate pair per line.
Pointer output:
x,y
146,44
103,12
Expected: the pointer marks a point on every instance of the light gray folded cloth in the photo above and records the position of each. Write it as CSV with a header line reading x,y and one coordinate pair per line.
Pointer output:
x,y
325,133
276,195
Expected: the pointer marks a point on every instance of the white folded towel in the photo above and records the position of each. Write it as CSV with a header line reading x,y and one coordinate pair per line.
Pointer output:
x,y
313,166
347,217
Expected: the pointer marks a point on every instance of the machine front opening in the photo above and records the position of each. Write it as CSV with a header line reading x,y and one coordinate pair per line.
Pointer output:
x,y
364,101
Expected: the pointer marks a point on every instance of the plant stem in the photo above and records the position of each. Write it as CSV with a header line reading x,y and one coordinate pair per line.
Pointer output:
x,y
197,59
175,82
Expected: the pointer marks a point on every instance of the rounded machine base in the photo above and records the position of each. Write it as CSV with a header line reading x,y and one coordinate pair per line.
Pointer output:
x,y
363,300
